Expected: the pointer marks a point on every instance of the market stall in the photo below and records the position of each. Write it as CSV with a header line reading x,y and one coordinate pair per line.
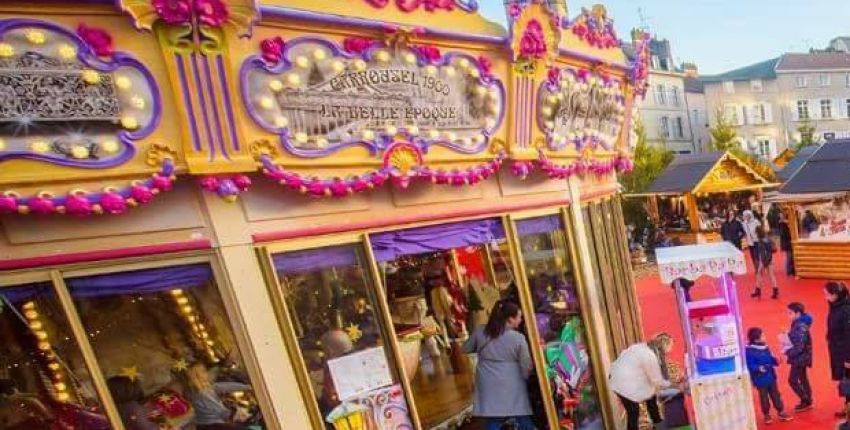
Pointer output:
x,y
714,338
307,207
815,200
691,197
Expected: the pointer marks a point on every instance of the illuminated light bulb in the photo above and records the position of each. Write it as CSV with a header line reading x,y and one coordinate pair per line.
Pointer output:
x,y
302,61
182,300
109,146
67,51
44,346
2,144
564,84
36,325
430,70
266,102
321,142
489,123
414,130
31,314
237,394
481,91
293,79
90,76
63,397
6,50
433,134
368,134
450,135
123,83
449,71
275,85
478,139
391,129
28,306
473,72
338,66
137,102
80,152
410,58
281,121
176,292
546,111
53,366
191,318
549,125
359,65
463,63
382,56
466,141
556,137
186,309
201,327
552,99
40,335
36,37
301,137
210,342
129,122
320,54
204,335
60,386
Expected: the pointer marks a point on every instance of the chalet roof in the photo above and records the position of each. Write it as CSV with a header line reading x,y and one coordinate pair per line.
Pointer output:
x,y
796,162
827,170
814,61
687,172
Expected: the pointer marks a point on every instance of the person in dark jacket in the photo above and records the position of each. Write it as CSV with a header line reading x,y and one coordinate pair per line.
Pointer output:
x,y
732,230
785,244
761,365
799,354
763,250
838,332
810,222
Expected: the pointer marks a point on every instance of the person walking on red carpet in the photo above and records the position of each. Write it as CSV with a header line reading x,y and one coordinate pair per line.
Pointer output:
x,y
838,337
763,250
799,354
762,367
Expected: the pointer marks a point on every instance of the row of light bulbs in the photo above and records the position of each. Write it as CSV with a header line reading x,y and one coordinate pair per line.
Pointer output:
x,y
193,320
60,388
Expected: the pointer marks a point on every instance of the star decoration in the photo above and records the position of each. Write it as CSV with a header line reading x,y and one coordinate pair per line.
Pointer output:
x,y
165,398
354,332
130,372
180,365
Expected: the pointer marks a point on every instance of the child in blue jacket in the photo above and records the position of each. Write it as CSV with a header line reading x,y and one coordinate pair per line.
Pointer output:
x,y
761,364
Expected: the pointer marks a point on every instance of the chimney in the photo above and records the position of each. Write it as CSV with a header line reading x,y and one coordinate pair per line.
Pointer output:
x,y
691,70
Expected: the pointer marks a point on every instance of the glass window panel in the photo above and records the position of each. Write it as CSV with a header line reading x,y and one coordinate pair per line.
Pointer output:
x,y
552,277
44,382
165,345
336,319
597,274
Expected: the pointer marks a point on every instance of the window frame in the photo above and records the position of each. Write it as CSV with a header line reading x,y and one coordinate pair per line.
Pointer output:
x,y
729,87
824,79
57,276
665,127
803,112
660,95
801,81
826,109
756,85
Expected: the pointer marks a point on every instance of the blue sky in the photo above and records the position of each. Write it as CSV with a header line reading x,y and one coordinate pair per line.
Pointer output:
x,y
721,35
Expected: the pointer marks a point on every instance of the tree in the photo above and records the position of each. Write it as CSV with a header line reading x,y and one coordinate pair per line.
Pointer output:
x,y
650,161
807,134
723,134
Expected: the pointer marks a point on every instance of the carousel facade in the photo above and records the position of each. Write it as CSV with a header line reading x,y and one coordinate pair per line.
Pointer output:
x,y
303,209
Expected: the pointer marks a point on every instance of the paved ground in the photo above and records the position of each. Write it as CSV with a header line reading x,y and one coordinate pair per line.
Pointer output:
x,y
771,316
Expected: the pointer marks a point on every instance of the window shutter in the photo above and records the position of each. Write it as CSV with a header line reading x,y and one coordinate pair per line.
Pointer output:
x,y
837,109
752,113
795,112
768,113
814,108
742,112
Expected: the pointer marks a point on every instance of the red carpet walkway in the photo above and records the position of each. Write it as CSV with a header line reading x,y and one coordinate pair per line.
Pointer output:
x,y
659,314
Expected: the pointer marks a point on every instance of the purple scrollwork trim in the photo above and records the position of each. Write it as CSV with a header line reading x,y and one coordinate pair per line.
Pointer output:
x,y
87,57
284,12
382,141
214,107
190,110
228,105
202,101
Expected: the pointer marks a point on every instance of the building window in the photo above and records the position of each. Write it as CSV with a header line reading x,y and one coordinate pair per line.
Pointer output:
x,y
654,60
660,95
674,96
802,82
679,128
695,115
729,87
826,108
847,107
756,85
730,112
803,109
847,79
763,147
823,79
760,113
665,127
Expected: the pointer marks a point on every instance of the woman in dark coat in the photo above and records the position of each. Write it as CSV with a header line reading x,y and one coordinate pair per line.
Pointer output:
x,y
838,331
732,230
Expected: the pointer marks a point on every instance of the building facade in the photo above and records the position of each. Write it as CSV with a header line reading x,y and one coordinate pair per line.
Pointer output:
x,y
774,102
310,205
697,110
664,111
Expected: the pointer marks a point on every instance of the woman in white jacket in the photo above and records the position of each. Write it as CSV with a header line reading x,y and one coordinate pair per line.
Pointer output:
x,y
638,373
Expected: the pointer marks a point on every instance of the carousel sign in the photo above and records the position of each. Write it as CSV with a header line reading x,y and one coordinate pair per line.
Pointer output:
x,y
579,107
320,97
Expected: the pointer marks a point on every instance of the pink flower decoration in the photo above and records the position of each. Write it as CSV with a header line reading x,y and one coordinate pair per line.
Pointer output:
x,y
78,205
173,12
272,49
433,5
99,40
340,189
533,43
429,53
41,205
485,66
359,185
514,10
356,45
8,204
554,75
378,3
162,183
227,190
213,13
522,168
113,203
379,179
242,182
141,194
317,188
209,183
